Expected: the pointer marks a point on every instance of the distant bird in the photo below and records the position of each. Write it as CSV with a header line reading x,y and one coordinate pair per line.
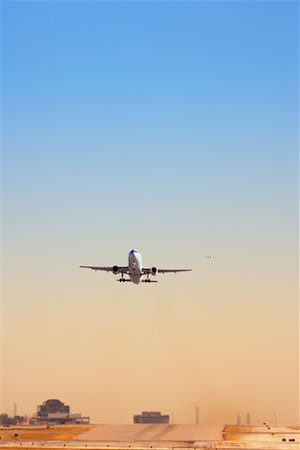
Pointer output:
x,y
209,256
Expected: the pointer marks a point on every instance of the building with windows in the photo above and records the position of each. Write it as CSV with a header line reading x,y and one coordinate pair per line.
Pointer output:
x,y
52,406
54,411
151,417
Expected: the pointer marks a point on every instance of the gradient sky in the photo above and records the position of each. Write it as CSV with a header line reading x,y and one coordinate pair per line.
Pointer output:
x,y
170,127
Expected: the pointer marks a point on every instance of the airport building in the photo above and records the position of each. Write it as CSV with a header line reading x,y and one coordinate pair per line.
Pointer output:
x,y
151,417
7,420
54,411
52,407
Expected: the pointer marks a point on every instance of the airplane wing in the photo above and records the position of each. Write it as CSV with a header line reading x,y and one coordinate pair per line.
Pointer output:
x,y
172,270
114,269
150,271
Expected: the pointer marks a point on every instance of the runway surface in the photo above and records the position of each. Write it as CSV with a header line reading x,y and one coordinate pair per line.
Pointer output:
x,y
156,437
152,432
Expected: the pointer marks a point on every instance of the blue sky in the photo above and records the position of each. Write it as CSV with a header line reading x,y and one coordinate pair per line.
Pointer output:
x,y
189,97
167,126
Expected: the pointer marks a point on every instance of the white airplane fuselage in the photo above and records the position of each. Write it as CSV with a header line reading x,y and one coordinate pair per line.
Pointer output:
x,y
135,267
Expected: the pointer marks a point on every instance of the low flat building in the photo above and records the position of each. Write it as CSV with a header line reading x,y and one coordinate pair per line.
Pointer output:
x,y
151,417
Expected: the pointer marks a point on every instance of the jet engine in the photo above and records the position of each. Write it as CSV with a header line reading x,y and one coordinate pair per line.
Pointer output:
x,y
115,269
154,271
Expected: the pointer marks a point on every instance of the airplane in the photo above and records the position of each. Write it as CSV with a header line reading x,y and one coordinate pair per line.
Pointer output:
x,y
135,270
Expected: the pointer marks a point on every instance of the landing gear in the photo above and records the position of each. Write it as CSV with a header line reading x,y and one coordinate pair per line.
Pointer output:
x,y
147,280
122,279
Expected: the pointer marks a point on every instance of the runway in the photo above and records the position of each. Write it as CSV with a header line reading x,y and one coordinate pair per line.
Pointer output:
x,y
156,437
136,433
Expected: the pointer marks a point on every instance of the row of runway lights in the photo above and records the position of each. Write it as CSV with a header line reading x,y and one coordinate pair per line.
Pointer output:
x,y
86,445
129,446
